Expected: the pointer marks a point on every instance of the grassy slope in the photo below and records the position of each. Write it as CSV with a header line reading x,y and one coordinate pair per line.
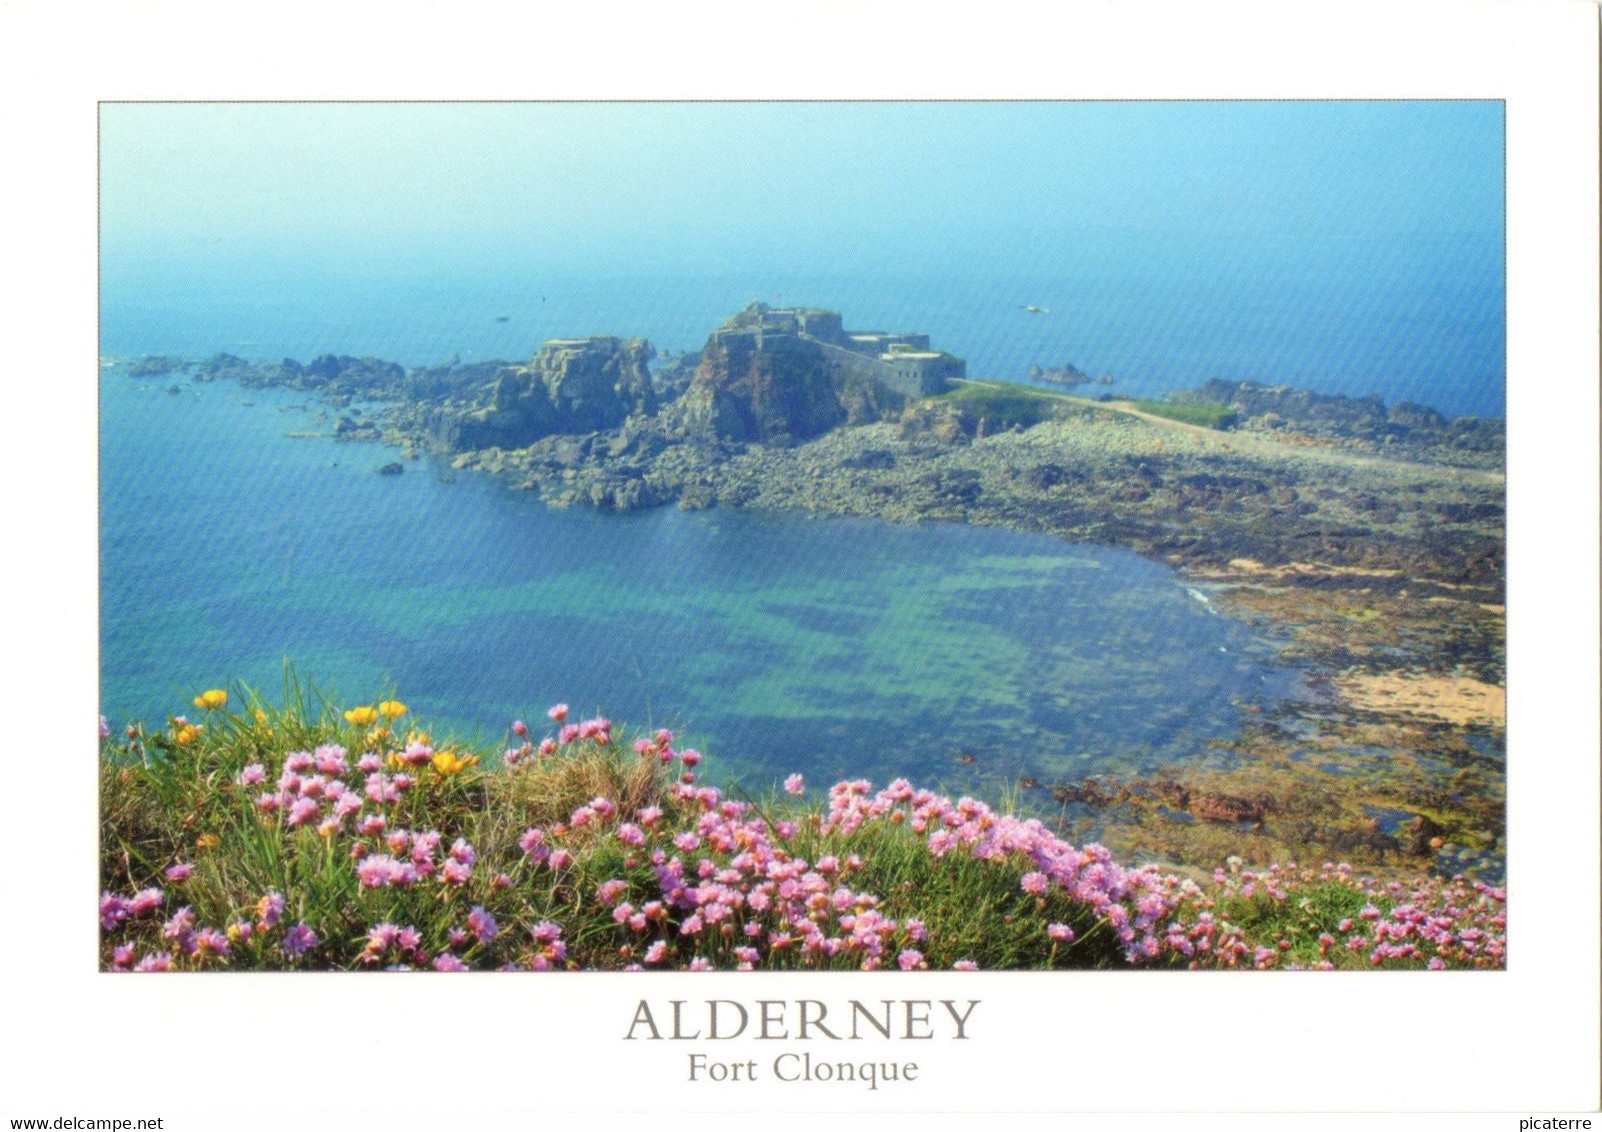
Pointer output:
x,y
635,862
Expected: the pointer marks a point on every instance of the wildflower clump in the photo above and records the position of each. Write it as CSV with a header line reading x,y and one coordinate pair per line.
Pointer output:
x,y
293,840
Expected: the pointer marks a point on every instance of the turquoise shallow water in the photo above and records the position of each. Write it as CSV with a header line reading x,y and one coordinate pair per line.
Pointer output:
x,y
775,642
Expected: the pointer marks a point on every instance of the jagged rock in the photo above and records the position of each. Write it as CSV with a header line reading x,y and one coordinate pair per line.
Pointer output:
x,y
1410,415
156,365
1227,808
570,386
783,376
872,459
393,469
944,422
1067,374
772,395
1415,836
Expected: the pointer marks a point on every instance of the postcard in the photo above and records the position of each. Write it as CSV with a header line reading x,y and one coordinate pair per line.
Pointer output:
x,y
846,604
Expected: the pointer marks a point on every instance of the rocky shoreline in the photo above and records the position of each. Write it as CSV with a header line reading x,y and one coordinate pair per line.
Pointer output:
x,y
1368,540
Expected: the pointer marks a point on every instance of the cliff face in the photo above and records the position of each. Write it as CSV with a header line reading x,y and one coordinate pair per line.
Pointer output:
x,y
570,386
771,396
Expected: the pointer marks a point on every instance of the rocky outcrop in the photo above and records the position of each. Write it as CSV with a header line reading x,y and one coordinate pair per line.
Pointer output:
x,y
1067,375
451,379
1301,409
1366,420
570,386
777,392
781,376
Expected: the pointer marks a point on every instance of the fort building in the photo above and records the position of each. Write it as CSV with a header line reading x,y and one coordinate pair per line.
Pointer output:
x,y
904,363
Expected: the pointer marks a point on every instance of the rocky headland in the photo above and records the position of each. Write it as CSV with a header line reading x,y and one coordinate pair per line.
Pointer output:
x,y
1367,539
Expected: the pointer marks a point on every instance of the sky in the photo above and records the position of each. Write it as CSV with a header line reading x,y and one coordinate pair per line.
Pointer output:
x,y
428,187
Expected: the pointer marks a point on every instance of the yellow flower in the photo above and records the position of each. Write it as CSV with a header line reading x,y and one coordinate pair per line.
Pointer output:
x,y
393,760
207,841
261,718
211,698
363,716
449,762
393,709
187,734
418,737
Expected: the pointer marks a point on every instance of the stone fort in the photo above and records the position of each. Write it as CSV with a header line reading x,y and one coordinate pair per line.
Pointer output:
x,y
903,363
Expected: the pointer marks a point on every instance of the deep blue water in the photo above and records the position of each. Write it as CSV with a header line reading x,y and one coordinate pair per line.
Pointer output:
x,y
774,641
1420,323
1348,246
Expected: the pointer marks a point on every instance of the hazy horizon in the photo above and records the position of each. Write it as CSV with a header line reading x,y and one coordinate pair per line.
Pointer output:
x,y
1353,246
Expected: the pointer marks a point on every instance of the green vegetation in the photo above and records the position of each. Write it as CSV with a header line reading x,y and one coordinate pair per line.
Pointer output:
x,y
308,837
1208,414
1000,404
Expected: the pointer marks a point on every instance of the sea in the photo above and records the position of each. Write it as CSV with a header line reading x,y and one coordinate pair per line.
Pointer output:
x,y
241,546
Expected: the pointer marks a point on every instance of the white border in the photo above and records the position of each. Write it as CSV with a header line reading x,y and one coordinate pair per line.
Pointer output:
x,y
89,1044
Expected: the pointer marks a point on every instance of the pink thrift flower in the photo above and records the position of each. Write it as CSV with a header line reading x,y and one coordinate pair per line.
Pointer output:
x,y
303,811
482,924
270,908
965,965
252,775
700,963
417,754
656,952
690,757
795,784
379,870
298,940
454,872
463,852
560,859
298,761
155,961
558,713
1060,933
909,959
608,892
545,932
210,942
330,759
519,728
113,910
144,901
445,961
